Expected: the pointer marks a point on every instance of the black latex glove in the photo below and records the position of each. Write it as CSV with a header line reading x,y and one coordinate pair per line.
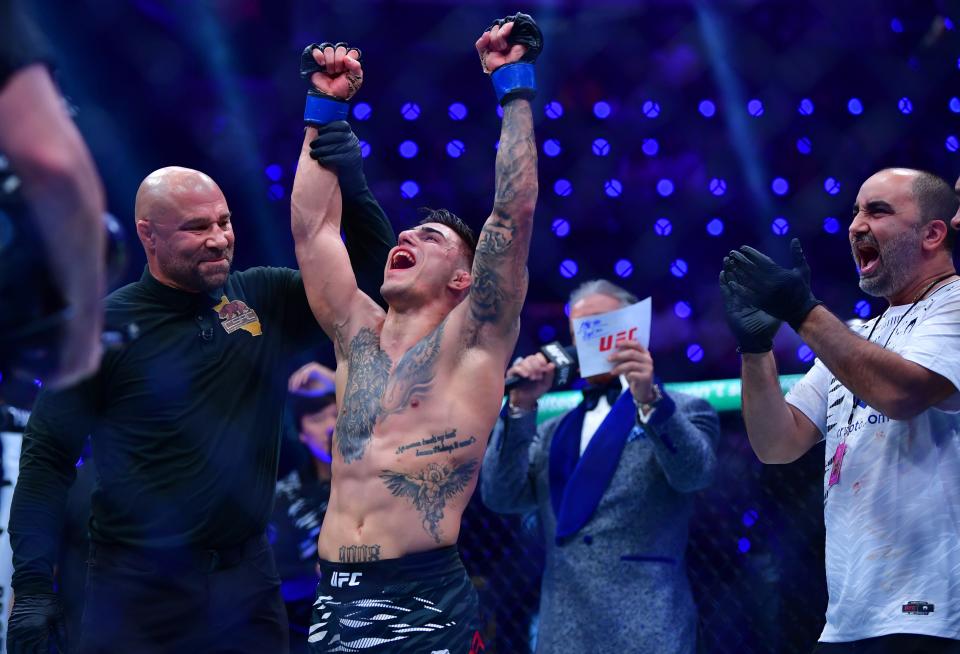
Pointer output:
x,y
754,329
37,626
784,293
338,148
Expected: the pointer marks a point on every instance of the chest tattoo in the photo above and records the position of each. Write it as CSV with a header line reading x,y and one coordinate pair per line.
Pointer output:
x,y
369,371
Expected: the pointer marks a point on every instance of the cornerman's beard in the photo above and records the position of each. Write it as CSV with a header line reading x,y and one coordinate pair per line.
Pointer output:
x,y
898,257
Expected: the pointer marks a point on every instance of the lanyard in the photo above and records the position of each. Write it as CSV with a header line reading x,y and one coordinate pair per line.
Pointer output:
x,y
840,452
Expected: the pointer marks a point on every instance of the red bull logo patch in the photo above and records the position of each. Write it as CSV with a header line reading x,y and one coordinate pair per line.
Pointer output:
x,y
235,314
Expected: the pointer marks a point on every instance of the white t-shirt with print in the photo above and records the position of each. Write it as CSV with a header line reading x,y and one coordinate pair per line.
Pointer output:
x,y
893,519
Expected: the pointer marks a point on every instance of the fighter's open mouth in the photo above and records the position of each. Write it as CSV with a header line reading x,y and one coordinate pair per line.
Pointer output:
x,y
401,260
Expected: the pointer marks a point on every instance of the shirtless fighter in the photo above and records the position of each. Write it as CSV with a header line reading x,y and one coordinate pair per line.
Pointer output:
x,y
419,387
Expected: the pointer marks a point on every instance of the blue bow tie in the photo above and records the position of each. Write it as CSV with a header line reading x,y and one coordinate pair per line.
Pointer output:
x,y
593,392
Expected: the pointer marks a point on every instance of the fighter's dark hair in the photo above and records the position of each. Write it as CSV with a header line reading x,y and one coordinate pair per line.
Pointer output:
x,y
453,221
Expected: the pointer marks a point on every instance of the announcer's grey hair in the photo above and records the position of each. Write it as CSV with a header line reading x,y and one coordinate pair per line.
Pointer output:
x,y
602,287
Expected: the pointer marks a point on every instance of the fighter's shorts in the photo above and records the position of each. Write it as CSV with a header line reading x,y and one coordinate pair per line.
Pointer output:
x,y
422,603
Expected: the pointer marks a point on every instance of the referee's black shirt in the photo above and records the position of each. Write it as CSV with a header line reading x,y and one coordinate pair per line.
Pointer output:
x,y
185,420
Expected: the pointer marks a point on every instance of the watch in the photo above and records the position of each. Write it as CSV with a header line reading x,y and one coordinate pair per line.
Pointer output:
x,y
645,408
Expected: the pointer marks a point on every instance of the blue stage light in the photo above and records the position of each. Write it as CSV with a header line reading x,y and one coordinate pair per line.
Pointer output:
x,y
362,111
651,109
38,383
273,172
410,110
695,352
678,268
275,192
854,106
551,147
601,147
831,185
409,189
743,545
707,108
500,111
750,517
948,23
568,268
682,310
547,333
755,108
804,146
718,186
553,110
563,187
862,309
650,147
831,225
663,227
779,185
952,144
665,187
408,149
623,268
601,109
613,188
905,106
560,227
780,226
364,149
456,148
715,227
805,354
806,107
457,111
896,25
954,105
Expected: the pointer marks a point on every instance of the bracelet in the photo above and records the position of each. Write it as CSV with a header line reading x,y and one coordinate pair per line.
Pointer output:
x,y
514,80
322,109
519,412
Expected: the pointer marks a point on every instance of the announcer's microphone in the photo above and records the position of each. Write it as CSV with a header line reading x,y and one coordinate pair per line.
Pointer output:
x,y
564,358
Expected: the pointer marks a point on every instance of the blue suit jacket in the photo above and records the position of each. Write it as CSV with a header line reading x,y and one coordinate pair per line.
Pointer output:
x,y
615,577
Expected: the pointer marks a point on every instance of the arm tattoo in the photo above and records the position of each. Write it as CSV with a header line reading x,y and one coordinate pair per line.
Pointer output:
x,y
359,553
414,374
430,488
498,269
366,381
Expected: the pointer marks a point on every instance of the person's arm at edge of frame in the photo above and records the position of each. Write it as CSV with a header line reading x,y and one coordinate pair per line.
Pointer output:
x,y
66,198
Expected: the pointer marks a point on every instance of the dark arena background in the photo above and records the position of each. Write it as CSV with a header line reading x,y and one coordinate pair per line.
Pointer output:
x,y
669,133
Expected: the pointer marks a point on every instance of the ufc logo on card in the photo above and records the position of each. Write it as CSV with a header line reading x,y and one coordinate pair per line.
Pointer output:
x,y
338,579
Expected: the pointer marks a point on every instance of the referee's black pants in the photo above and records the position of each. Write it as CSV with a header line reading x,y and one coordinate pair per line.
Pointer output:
x,y
184,601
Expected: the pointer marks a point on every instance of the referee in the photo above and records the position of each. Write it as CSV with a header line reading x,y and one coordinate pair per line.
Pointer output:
x,y
185,426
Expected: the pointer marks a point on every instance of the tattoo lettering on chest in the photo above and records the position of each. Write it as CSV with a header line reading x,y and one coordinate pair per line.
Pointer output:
x,y
430,488
437,444
414,374
359,553
369,370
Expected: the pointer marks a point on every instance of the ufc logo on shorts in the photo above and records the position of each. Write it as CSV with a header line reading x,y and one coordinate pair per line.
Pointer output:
x,y
338,579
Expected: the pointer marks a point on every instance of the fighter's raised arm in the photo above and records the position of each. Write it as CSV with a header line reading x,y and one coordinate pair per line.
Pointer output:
x,y
316,205
507,51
